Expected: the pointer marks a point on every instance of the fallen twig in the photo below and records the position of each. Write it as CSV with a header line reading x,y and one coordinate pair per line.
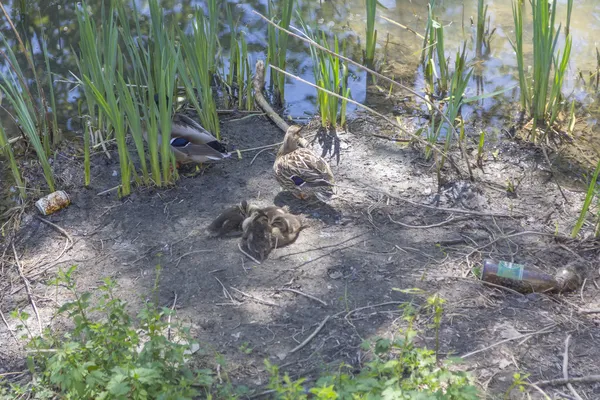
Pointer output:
x,y
169,318
450,219
248,255
27,288
257,299
8,327
387,303
565,369
70,240
305,295
311,336
226,292
541,331
259,83
563,381
190,253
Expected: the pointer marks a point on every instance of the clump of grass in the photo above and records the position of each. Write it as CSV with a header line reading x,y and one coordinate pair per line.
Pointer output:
x,y
483,37
330,73
6,150
195,68
434,59
239,76
541,96
277,45
371,33
31,115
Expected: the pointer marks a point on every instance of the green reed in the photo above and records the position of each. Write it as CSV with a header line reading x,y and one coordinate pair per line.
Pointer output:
x,y
55,130
483,37
541,95
31,117
6,150
435,64
278,44
239,76
591,193
195,70
330,73
371,33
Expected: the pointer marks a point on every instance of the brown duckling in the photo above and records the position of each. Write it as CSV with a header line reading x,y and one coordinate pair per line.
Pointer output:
x,y
257,238
229,222
285,229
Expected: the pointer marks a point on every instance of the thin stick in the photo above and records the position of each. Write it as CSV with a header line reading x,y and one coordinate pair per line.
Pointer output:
x,y
543,330
169,319
112,189
190,253
248,255
562,381
565,369
61,230
305,295
226,292
259,300
387,303
450,219
8,327
383,77
258,83
312,335
257,154
27,287
369,109
581,291
402,26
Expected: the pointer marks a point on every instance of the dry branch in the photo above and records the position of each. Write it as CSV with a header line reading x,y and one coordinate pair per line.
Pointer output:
x,y
312,335
259,84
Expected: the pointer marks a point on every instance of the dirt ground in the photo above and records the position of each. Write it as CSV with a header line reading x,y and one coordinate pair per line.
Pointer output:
x,y
352,256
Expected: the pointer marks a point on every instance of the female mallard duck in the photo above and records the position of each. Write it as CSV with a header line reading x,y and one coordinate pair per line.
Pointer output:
x,y
191,143
301,171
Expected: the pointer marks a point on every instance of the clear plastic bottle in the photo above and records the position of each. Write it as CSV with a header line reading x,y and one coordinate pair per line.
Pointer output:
x,y
524,279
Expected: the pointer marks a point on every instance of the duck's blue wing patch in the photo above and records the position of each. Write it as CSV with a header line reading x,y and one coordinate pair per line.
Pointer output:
x,y
297,180
179,142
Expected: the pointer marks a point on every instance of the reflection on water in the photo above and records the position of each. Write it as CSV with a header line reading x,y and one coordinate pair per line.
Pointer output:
x,y
57,21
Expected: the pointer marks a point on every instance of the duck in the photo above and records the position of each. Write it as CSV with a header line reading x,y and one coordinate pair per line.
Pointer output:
x,y
269,228
191,143
229,222
300,170
257,236
285,229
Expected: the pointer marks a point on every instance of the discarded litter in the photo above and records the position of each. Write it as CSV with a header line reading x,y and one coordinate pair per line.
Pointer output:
x,y
53,202
527,278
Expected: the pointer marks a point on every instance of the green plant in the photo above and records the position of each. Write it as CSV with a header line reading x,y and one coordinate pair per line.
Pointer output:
x,y
480,149
6,150
331,74
107,355
398,369
29,116
483,37
589,196
541,97
239,76
371,32
195,68
277,45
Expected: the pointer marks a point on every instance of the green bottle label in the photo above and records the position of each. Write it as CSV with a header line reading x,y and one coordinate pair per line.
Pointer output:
x,y
510,270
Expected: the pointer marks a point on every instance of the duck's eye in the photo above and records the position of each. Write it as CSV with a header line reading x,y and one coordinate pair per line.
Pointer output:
x,y
297,180
179,142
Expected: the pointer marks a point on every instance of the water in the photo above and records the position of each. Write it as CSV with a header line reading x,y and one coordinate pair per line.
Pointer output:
x,y
57,20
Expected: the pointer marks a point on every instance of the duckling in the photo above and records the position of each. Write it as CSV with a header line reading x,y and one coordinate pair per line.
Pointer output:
x,y
300,170
191,143
285,229
257,237
229,222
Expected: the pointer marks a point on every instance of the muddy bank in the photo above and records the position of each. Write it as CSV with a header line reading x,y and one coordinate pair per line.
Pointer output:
x,y
354,253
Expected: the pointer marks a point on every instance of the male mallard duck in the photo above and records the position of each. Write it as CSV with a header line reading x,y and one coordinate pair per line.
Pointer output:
x,y
301,171
191,143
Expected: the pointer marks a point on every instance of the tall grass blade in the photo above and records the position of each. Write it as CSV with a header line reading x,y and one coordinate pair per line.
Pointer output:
x,y
6,150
